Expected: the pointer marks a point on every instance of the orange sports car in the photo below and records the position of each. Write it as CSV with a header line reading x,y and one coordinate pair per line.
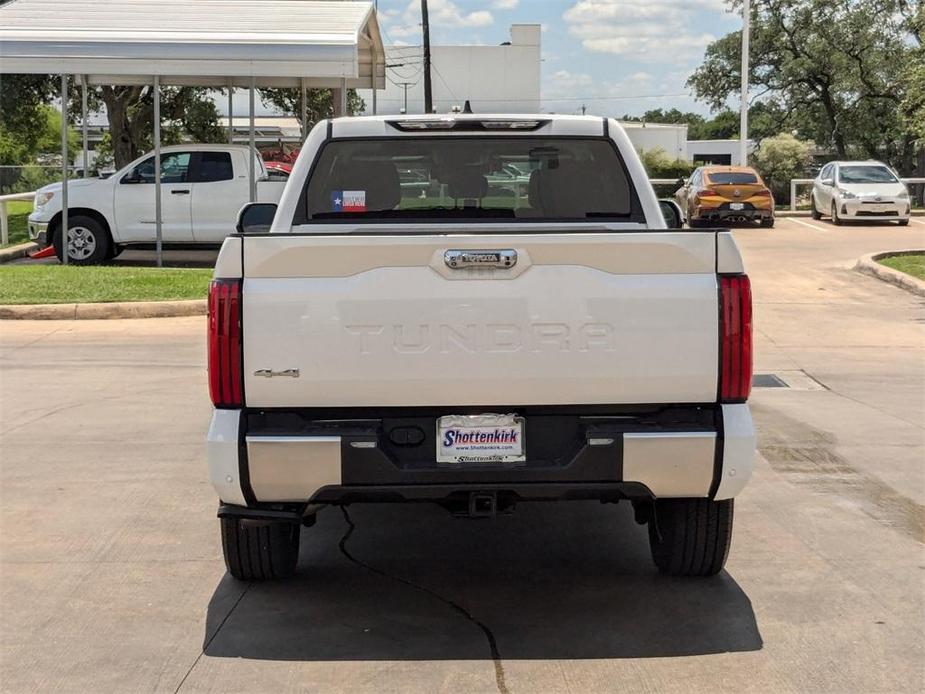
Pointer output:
x,y
725,194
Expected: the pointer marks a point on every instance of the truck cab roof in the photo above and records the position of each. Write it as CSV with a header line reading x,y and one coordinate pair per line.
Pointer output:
x,y
471,124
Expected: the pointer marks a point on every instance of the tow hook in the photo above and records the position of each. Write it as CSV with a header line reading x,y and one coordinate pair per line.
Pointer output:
x,y
483,505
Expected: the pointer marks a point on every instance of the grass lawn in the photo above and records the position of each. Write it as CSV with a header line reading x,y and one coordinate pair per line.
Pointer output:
x,y
910,264
17,212
54,284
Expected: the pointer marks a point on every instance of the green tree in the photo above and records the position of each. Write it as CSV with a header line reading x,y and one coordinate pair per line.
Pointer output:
x,y
832,68
764,120
18,151
658,164
779,159
21,98
320,103
913,106
187,113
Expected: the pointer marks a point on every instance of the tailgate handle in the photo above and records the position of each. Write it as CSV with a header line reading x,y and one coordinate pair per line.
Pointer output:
x,y
480,258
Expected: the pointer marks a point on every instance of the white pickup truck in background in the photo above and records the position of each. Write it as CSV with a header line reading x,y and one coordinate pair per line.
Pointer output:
x,y
474,347
202,189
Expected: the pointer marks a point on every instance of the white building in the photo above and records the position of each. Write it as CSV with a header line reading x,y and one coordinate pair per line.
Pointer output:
x,y
716,151
670,138
494,79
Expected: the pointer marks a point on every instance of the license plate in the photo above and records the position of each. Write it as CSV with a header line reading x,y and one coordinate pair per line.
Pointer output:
x,y
482,438
878,208
736,205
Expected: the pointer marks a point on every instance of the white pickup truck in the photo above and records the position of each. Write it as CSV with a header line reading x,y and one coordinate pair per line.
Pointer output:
x,y
202,189
368,342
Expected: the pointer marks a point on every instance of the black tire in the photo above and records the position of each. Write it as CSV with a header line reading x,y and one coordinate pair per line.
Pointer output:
x,y
813,212
903,222
91,245
690,537
258,550
767,222
836,220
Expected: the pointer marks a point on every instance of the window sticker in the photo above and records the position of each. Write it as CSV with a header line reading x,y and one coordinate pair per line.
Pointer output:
x,y
348,201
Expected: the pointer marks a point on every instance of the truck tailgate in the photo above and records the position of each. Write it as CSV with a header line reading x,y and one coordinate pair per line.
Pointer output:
x,y
383,320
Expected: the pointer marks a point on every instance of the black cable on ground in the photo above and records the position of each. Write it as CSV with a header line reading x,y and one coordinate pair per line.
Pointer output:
x,y
489,636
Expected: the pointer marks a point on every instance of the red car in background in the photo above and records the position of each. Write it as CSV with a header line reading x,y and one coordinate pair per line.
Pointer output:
x,y
278,170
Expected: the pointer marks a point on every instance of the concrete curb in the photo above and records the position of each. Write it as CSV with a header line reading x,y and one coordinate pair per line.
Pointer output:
x,y
20,250
869,266
122,309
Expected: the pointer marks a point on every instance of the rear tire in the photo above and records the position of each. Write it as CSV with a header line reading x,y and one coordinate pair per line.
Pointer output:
x,y
813,212
767,222
690,537
259,550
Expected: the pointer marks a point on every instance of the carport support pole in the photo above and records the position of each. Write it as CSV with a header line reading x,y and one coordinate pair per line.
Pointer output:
x,y
83,120
793,195
230,112
64,223
743,108
375,68
304,121
342,97
253,161
158,220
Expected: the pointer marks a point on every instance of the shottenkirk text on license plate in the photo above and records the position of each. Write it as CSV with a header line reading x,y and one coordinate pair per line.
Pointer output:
x,y
482,438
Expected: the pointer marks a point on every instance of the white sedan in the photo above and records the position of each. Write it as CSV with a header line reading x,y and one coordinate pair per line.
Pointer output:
x,y
862,190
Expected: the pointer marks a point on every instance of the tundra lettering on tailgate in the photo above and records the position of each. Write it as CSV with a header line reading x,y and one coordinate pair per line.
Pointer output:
x,y
488,338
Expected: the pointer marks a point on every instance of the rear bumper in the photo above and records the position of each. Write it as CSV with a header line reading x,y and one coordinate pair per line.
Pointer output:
x,y
271,457
720,214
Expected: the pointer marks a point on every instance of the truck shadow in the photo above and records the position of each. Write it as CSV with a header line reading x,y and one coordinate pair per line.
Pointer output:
x,y
571,580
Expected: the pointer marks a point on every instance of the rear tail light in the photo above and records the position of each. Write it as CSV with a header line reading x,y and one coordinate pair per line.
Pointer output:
x,y
706,192
225,343
763,193
735,377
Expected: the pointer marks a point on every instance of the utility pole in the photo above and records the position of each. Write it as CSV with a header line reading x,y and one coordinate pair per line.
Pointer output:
x,y
428,95
743,107
405,85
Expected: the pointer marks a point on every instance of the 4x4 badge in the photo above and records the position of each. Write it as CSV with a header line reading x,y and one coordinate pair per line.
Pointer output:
x,y
270,373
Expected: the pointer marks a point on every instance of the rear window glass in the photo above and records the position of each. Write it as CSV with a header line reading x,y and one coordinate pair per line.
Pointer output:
x,y
865,174
215,166
732,178
433,178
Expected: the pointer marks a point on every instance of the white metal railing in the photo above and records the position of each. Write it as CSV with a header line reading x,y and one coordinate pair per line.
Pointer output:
x,y
794,182
4,218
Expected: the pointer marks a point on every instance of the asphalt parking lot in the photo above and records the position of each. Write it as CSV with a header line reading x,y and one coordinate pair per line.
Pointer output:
x,y
111,577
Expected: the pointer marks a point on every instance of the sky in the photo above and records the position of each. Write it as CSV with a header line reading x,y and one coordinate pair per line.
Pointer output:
x,y
614,56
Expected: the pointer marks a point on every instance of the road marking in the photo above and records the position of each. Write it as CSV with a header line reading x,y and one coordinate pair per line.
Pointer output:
x,y
807,224
917,221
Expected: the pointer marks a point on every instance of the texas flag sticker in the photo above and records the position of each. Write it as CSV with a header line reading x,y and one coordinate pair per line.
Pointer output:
x,y
348,200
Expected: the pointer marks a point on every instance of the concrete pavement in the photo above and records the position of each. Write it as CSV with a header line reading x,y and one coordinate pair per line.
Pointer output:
x,y
111,578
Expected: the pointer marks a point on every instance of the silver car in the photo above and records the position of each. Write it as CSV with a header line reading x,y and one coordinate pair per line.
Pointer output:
x,y
860,190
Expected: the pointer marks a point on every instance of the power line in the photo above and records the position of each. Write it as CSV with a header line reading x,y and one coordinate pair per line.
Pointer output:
x,y
450,89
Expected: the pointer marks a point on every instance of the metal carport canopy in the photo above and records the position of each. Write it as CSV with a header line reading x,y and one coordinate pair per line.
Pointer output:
x,y
206,43
277,43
